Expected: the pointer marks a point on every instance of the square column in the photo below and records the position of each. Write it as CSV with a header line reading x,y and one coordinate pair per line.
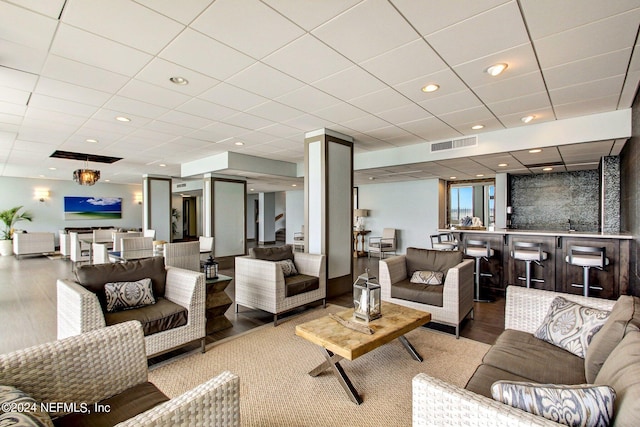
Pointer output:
x,y
156,195
328,205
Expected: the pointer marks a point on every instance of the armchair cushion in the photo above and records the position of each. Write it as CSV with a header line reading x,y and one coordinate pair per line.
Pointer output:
x,y
299,284
128,295
417,292
161,316
274,253
94,277
430,259
122,406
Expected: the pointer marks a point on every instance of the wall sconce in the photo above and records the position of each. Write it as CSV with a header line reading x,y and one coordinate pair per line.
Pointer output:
x,y
137,197
41,194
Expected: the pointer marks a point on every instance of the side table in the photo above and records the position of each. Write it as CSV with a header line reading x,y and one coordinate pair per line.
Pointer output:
x,y
217,304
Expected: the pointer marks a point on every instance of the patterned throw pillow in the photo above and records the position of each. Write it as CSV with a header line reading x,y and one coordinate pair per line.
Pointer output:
x,y
427,277
571,326
288,267
19,409
573,405
128,295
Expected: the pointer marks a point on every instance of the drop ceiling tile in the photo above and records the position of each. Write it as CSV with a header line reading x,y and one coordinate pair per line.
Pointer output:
x,y
233,97
466,128
311,13
408,113
340,112
217,132
152,94
184,120
449,103
525,104
585,152
388,133
586,107
9,119
495,30
127,106
308,98
547,155
308,122
123,21
366,30
159,71
44,118
265,81
597,38
91,49
501,90
50,8
205,109
539,116
381,100
55,104
546,18
247,121
349,84
14,96
105,118
220,61
430,129
307,59
243,24
472,115
66,70
151,135
439,13
22,58
183,12
35,30
169,128
448,81
595,89
15,79
416,57
282,131
275,111
365,123
62,90
589,69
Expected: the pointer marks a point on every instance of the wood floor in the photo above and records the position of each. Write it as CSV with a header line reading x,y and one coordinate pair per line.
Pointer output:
x,y
28,304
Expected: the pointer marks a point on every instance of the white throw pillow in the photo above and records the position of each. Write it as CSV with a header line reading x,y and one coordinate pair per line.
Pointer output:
x,y
427,277
574,405
571,326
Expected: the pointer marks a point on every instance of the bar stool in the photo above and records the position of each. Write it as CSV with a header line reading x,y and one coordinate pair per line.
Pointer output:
x,y
529,252
479,249
443,242
587,257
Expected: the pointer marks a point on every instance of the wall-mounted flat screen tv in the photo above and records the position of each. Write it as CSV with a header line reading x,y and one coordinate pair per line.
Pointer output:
x,y
92,207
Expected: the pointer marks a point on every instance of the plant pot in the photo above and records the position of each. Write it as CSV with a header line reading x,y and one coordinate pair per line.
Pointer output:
x,y
6,247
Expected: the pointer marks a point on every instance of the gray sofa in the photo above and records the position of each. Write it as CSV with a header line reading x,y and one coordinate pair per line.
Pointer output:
x,y
612,358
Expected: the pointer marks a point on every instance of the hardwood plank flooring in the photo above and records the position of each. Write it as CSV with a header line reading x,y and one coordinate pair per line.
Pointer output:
x,y
28,304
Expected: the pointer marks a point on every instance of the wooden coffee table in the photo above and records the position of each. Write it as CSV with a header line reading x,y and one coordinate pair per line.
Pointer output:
x,y
339,342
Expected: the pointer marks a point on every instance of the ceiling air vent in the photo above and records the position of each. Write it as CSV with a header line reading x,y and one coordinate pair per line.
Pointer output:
x,y
181,185
471,141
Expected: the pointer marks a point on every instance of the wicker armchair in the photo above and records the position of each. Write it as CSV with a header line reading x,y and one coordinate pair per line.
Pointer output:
x,y
33,243
79,310
183,255
109,361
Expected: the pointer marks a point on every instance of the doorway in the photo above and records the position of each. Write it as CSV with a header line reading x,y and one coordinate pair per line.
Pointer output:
x,y
189,218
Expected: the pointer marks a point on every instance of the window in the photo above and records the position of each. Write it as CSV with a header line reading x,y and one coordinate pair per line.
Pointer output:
x,y
473,199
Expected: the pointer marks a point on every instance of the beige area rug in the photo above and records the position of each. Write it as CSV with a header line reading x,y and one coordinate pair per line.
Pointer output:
x,y
276,390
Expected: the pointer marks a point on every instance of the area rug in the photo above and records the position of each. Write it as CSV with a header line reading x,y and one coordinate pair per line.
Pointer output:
x,y
276,390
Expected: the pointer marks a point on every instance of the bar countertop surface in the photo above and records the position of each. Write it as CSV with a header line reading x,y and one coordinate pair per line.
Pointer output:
x,y
552,233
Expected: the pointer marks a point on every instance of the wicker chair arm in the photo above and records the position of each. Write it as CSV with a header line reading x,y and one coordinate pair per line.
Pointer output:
x,y
214,403
78,309
392,270
309,264
258,271
437,403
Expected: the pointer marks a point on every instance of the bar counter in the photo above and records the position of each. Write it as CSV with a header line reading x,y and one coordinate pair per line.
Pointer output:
x,y
554,273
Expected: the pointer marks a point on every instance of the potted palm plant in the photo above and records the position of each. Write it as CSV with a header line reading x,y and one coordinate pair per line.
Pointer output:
x,y
9,217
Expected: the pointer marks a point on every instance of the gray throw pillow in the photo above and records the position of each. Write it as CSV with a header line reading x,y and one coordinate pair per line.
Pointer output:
x,y
573,405
128,295
17,408
571,326
288,267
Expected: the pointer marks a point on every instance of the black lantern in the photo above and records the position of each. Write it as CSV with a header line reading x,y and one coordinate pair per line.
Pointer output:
x,y
211,268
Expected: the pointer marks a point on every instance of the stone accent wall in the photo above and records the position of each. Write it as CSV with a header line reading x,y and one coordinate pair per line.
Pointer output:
x,y
547,201
610,184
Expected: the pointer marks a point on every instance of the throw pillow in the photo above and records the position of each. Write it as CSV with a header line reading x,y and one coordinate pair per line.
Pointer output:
x,y
128,295
571,326
17,408
572,405
288,267
427,277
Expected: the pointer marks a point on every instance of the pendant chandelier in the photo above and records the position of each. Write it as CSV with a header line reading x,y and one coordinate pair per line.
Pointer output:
x,y
86,176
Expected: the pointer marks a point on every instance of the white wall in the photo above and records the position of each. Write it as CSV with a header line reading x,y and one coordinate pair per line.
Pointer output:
x,y
49,215
409,207
294,213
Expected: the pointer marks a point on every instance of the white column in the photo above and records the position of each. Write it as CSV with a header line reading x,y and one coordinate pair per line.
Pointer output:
x,y
156,196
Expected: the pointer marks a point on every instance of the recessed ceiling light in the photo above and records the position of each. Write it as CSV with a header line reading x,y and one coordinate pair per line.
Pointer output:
x,y
107,180
547,169
123,119
162,165
480,175
535,150
430,88
496,69
52,169
294,185
453,177
371,178
476,127
239,143
179,80
252,189
501,165
91,140
527,119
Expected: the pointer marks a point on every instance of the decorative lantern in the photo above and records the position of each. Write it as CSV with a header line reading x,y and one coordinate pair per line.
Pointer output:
x,y
366,298
211,268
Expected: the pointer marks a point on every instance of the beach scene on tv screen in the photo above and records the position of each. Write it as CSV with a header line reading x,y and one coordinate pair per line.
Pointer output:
x,y
92,207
